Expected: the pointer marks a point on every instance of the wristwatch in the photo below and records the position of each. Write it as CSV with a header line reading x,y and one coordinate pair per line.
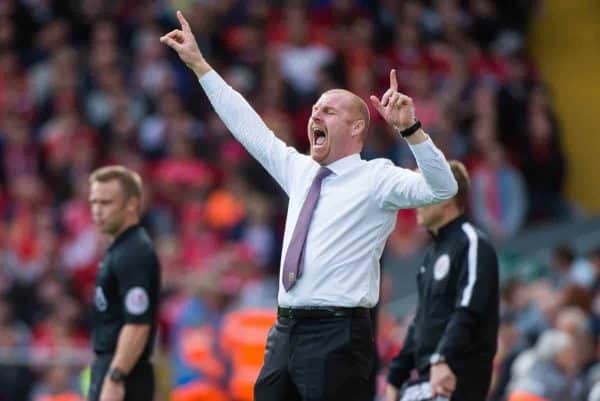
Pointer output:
x,y
406,132
117,375
436,358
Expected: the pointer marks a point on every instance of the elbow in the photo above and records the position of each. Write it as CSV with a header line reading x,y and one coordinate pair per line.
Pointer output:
x,y
447,192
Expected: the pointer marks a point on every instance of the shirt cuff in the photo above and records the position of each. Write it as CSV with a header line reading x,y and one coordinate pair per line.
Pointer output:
x,y
211,82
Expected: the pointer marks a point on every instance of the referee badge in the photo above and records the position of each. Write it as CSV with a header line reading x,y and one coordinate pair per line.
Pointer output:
x,y
441,267
136,301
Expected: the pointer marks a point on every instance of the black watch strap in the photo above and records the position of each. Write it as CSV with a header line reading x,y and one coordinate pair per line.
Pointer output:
x,y
117,375
410,130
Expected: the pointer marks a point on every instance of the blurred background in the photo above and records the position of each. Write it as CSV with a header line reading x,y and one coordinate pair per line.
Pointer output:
x,y
508,87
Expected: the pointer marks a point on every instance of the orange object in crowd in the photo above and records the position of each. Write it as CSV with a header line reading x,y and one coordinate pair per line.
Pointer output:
x,y
198,391
223,210
241,385
197,350
525,396
61,397
244,334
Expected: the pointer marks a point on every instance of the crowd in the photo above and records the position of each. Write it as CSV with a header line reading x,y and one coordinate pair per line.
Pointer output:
x,y
88,83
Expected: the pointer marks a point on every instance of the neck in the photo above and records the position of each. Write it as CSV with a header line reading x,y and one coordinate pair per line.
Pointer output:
x,y
447,218
128,223
350,152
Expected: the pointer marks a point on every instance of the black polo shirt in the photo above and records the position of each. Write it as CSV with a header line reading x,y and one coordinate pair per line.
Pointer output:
x,y
127,290
458,311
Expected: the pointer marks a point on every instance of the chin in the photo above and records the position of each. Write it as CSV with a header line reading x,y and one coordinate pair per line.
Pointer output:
x,y
319,157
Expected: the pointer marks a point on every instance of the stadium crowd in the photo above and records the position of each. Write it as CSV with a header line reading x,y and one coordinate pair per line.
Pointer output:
x,y
87,83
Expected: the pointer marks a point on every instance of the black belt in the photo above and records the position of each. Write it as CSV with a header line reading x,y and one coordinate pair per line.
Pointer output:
x,y
320,312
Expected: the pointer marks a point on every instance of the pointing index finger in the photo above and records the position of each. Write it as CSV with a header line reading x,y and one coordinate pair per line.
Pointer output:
x,y
393,80
184,24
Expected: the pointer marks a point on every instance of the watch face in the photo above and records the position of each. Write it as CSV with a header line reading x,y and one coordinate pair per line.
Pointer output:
x,y
116,375
436,358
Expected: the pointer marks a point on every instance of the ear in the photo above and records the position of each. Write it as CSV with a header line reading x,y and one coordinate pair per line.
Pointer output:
x,y
358,127
133,205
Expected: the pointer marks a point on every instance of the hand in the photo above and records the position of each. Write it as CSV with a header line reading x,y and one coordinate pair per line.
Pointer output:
x,y
442,380
397,109
112,391
391,393
183,42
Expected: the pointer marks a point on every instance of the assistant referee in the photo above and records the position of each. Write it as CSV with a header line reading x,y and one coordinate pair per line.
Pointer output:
x,y
452,339
127,290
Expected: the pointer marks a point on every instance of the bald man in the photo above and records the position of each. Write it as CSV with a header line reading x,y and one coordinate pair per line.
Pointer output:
x,y
341,211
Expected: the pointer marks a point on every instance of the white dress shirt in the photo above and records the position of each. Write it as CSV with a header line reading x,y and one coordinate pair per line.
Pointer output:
x,y
356,211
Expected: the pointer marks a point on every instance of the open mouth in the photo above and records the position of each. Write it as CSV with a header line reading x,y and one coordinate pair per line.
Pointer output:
x,y
320,136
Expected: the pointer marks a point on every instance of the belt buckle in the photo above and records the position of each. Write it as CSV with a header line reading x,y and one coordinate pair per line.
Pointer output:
x,y
291,313
338,312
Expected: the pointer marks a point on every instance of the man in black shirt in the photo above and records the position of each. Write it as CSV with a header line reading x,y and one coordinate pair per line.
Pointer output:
x,y
452,339
127,290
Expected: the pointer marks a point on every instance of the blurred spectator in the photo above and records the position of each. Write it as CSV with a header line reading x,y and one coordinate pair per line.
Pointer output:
x,y
498,199
561,265
57,381
510,346
15,377
544,166
300,58
551,372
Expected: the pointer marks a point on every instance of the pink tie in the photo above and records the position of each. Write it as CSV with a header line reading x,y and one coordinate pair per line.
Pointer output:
x,y
291,265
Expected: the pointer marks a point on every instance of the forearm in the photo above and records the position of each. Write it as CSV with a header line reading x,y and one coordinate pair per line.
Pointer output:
x,y
433,166
418,137
201,67
458,334
131,344
400,368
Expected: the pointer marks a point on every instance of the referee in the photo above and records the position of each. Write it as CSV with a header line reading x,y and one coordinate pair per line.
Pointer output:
x,y
127,289
452,339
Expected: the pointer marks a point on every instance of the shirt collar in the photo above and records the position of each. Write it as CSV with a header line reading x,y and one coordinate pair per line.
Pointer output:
x,y
124,235
344,164
449,228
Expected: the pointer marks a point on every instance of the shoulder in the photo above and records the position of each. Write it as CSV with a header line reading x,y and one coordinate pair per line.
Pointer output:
x,y
380,163
381,167
475,237
137,248
473,233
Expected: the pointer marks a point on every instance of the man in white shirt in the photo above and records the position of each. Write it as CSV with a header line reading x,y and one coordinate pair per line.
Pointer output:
x,y
322,346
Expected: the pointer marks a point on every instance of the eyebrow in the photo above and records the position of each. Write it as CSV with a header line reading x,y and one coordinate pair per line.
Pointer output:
x,y
324,107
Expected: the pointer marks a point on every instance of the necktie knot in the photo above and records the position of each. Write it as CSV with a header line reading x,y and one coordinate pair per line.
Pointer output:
x,y
322,173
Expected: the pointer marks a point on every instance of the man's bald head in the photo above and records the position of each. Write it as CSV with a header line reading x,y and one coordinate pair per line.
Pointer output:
x,y
357,107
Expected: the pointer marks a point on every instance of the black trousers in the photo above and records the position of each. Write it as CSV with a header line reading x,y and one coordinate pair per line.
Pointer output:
x,y
139,385
317,359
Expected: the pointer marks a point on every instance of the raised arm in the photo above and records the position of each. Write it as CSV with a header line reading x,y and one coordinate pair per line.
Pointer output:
x,y
281,161
401,188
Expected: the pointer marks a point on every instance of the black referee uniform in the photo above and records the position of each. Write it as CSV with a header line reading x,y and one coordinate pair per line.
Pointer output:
x,y
457,315
127,290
